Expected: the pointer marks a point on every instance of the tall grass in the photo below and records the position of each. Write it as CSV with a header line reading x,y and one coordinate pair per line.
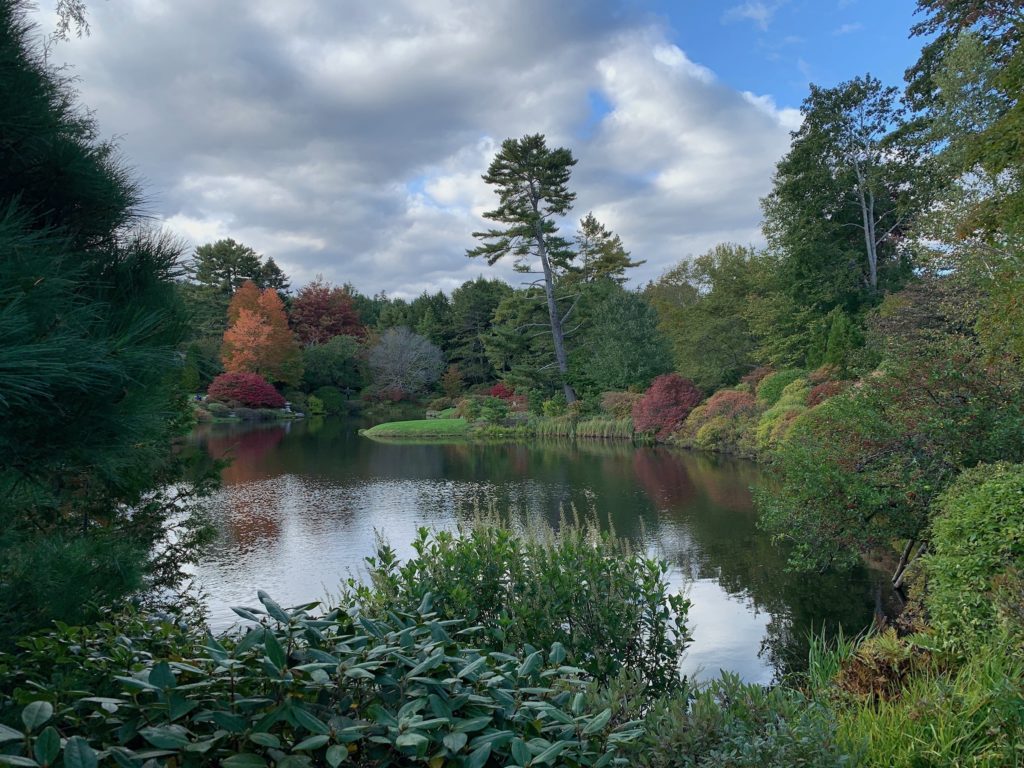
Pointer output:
x,y
971,717
605,428
971,714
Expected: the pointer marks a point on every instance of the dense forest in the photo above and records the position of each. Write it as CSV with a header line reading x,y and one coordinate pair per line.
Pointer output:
x,y
870,355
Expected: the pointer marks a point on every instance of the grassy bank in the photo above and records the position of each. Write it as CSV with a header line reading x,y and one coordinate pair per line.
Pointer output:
x,y
419,428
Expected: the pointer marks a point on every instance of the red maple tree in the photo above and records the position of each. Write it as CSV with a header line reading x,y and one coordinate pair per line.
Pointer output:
x,y
665,406
321,311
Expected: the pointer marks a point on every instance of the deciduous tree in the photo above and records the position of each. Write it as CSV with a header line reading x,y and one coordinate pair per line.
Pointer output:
x,y
258,339
404,364
320,312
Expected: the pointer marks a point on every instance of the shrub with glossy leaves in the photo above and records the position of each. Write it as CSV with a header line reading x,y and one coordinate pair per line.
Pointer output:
x,y
775,423
248,389
296,689
665,406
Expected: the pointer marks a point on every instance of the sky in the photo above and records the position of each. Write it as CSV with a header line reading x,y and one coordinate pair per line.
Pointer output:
x,y
347,139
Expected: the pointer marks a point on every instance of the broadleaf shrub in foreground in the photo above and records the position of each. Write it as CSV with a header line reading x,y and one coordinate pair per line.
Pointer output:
x,y
248,389
296,689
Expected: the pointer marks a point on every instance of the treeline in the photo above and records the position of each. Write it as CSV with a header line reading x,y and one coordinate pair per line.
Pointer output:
x,y
335,344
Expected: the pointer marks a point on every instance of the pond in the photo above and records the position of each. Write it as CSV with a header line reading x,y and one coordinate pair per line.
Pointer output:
x,y
303,503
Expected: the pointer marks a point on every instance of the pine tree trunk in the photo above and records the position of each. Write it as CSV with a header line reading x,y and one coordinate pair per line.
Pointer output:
x,y
556,321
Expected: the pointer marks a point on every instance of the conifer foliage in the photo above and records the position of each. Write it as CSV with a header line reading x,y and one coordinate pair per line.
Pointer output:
x,y
90,327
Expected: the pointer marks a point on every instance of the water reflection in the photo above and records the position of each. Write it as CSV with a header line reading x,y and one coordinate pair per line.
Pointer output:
x,y
302,504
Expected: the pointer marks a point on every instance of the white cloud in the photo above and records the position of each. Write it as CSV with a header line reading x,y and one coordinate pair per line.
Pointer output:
x,y
848,29
348,139
753,10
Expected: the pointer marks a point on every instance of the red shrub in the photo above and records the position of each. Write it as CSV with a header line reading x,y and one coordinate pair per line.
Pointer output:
x,y
729,402
502,390
248,389
754,377
665,406
824,391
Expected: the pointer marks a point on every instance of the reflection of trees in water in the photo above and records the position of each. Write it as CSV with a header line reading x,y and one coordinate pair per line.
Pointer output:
x,y
696,506
244,450
664,477
248,516
709,501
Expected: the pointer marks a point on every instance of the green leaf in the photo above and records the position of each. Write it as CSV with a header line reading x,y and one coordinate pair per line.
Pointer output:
x,y
265,740
165,737
308,721
531,664
251,638
275,610
520,752
472,724
455,741
9,734
229,722
426,604
244,760
313,742
551,752
411,740
472,667
336,755
161,676
557,655
245,613
78,754
359,674
125,758
274,651
35,714
478,758
598,723
47,746
19,761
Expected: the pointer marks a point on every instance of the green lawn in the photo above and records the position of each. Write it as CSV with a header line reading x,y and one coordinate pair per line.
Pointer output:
x,y
435,428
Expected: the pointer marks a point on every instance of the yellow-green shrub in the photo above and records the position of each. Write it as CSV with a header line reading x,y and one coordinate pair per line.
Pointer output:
x,y
774,423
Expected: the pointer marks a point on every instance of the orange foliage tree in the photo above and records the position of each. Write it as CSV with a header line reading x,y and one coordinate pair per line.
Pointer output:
x,y
258,339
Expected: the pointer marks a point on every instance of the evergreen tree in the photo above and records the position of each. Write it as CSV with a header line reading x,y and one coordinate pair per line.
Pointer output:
x,y
600,253
532,184
90,328
472,309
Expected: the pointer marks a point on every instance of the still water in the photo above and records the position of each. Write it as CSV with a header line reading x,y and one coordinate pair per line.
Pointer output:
x,y
302,504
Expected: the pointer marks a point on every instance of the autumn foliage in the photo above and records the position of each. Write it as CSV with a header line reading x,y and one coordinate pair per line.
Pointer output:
x,y
665,406
320,312
258,339
502,390
248,389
